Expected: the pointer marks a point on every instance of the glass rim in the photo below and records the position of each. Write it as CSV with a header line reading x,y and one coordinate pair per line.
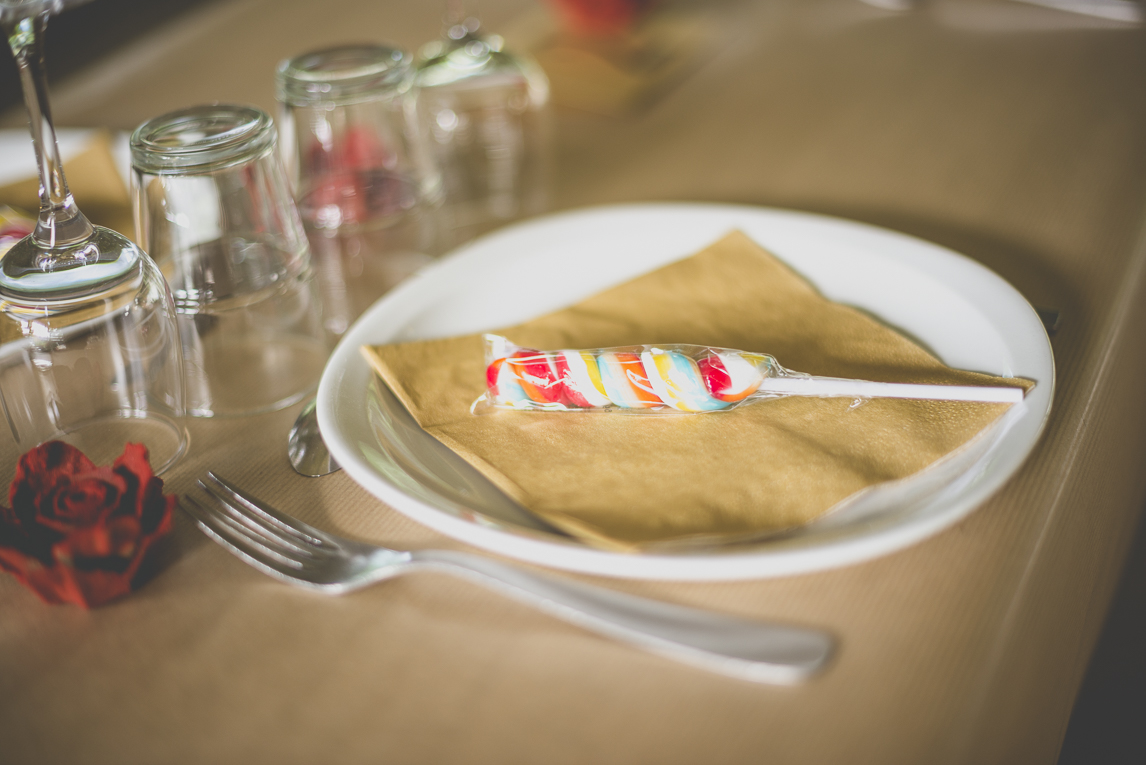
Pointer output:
x,y
200,139
343,74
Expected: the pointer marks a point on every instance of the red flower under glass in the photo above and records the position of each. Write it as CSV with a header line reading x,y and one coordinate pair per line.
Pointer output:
x,y
77,533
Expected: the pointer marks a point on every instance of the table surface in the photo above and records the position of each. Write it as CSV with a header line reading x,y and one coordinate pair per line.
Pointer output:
x,y
1008,132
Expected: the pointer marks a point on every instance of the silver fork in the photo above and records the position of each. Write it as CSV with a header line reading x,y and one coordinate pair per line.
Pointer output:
x,y
302,555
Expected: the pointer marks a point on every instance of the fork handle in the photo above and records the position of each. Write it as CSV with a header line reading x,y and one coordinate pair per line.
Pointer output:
x,y
754,651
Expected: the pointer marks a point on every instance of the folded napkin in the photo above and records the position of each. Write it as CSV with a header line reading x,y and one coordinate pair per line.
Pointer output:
x,y
627,482
94,181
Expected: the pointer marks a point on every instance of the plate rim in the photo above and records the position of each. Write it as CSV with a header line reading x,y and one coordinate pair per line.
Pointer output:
x,y
756,562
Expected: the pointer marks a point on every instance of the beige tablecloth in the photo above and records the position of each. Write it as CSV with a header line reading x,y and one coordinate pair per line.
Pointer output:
x,y
1009,132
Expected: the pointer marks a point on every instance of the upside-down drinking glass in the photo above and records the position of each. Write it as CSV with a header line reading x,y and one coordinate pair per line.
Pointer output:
x,y
365,184
484,111
213,207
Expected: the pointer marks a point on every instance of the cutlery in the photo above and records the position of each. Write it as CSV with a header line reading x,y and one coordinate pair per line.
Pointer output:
x,y
299,554
305,448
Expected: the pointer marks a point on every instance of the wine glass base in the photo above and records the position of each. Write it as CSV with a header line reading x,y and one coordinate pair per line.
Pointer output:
x,y
102,438
98,264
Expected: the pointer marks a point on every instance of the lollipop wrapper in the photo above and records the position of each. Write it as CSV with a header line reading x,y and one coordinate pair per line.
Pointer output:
x,y
675,379
627,483
638,379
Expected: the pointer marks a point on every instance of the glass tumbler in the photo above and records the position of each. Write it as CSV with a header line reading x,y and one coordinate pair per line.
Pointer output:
x,y
485,112
363,179
212,205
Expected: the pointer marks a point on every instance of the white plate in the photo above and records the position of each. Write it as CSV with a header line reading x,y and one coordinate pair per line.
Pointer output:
x,y
966,314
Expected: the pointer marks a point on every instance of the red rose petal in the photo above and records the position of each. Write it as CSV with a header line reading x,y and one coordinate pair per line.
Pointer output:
x,y
40,468
81,500
135,458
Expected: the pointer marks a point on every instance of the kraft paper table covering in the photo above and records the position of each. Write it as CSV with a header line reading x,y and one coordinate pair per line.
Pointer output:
x,y
624,482
1020,149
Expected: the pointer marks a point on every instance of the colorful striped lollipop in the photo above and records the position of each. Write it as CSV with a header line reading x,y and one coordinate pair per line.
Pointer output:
x,y
626,380
679,382
584,387
682,378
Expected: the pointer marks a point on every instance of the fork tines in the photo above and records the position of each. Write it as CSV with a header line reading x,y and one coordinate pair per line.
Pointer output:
x,y
232,495
272,542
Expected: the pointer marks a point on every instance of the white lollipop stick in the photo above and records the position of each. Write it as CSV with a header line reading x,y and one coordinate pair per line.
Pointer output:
x,y
833,387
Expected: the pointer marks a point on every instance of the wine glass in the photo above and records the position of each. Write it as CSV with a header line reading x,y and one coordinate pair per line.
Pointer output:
x,y
484,111
89,350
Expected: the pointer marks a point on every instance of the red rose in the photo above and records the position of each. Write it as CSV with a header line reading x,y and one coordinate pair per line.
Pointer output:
x,y
77,533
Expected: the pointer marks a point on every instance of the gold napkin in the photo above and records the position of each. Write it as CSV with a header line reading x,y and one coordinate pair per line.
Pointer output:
x,y
626,481
95,183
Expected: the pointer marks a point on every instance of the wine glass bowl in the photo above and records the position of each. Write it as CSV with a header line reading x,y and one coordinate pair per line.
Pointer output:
x,y
95,361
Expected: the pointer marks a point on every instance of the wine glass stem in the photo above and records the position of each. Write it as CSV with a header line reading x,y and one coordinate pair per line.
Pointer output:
x,y
60,223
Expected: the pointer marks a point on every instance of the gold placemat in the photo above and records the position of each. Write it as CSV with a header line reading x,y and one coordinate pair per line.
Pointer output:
x,y
621,482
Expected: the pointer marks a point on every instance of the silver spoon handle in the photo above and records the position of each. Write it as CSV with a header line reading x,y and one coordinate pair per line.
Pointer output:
x,y
754,651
